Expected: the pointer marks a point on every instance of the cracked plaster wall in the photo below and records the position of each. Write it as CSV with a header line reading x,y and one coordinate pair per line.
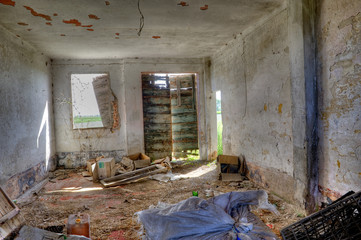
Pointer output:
x,y
27,142
339,84
74,147
253,75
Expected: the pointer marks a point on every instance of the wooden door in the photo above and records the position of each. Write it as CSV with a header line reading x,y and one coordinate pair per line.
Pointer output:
x,y
157,116
184,114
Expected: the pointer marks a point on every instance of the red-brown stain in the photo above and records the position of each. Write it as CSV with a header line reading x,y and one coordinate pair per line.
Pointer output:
x,y
116,37
92,16
49,23
265,107
55,14
23,24
36,14
87,26
338,164
7,2
280,108
183,4
156,37
89,29
117,34
204,8
107,3
29,29
18,36
72,21
63,35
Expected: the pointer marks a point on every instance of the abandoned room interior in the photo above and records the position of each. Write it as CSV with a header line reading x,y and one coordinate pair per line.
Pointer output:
x,y
114,114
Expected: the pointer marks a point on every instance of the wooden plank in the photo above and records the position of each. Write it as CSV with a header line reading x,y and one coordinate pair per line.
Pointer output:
x,y
157,114
104,97
10,219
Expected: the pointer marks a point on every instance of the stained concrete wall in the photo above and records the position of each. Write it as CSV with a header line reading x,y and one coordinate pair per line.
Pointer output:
x,y
74,147
253,74
339,87
27,142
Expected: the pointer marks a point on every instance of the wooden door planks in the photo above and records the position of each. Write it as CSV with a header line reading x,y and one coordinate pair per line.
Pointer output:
x,y
10,218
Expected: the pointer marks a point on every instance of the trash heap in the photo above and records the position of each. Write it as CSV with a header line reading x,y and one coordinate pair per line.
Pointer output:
x,y
227,216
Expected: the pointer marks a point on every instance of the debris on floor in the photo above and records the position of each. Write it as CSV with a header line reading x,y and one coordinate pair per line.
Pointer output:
x,y
9,215
31,233
226,216
111,210
340,220
231,168
79,224
159,166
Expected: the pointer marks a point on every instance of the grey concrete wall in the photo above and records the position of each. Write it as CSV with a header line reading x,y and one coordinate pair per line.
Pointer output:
x,y
339,82
74,147
253,75
133,69
27,142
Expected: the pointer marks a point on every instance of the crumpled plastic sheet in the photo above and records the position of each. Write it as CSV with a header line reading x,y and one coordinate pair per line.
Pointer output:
x,y
224,217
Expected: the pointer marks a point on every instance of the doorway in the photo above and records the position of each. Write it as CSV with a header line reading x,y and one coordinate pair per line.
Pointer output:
x,y
170,115
219,122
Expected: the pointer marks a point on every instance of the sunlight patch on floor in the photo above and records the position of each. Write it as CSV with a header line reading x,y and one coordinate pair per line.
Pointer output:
x,y
76,190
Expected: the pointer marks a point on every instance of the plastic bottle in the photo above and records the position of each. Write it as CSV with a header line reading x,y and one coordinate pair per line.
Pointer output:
x,y
79,224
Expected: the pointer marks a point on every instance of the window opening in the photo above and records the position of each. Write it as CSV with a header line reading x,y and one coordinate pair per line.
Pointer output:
x,y
85,107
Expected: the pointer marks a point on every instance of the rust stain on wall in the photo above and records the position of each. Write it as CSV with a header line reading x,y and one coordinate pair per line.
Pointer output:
x,y
89,29
338,164
156,37
7,2
55,14
63,35
36,14
107,3
87,26
23,24
117,34
280,108
92,16
49,23
265,107
29,29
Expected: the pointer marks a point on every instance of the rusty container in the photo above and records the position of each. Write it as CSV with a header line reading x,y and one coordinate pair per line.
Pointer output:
x,y
79,224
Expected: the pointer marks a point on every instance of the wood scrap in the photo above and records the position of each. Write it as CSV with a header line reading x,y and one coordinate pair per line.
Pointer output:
x,y
9,215
136,175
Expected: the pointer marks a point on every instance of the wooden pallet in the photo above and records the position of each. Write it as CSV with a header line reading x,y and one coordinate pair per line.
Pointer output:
x,y
10,218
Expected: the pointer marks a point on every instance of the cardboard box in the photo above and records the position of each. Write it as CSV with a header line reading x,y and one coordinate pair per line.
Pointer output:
x,y
229,168
140,160
106,168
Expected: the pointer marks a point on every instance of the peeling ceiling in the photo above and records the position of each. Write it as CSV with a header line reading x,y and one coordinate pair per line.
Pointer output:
x,y
92,29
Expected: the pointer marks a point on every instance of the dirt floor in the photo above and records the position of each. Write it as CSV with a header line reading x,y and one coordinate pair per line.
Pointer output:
x,y
112,210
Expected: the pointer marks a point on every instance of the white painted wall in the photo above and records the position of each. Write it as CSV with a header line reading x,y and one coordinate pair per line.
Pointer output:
x,y
27,142
76,146
253,74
